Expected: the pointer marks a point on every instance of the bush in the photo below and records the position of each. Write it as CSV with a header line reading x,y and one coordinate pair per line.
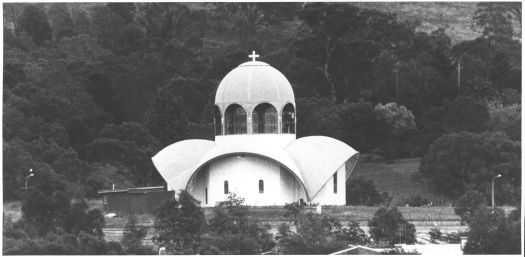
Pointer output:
x,y
363,192
468,203
493,233
133,236
388,225
435,234
320,235
179,223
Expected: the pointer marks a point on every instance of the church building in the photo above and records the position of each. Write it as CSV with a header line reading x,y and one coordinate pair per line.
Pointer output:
x,y
256,154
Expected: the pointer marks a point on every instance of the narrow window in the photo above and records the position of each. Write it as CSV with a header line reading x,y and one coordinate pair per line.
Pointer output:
x,y
261,186
217,121
226,189
335,183
288,119
206,195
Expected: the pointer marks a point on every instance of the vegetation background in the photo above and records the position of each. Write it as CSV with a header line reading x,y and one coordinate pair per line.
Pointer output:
x,y
92,90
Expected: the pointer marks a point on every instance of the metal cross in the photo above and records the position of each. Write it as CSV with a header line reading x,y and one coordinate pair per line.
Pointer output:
x,y
253,56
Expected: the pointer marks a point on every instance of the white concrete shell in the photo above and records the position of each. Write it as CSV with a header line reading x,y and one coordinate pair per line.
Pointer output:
x,y
311,160
318,158
177,162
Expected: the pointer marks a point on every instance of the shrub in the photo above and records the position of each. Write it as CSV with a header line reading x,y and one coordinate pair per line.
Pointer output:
x,y
388,225
435,234
363,192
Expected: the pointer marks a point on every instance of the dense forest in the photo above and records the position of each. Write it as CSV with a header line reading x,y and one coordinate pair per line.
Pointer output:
x,y
92,91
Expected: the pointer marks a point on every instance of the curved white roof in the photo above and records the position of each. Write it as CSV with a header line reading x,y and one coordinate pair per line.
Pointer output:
x,y
319,157
177,162
312,160
252,83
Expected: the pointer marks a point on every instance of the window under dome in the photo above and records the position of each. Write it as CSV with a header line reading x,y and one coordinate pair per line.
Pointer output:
x,y
288,119
235,120
264,119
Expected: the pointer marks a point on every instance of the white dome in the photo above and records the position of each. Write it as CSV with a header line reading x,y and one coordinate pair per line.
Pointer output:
x,y
252,83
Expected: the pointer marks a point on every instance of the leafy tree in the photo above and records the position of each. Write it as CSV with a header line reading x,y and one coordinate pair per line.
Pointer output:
x,y
179,223
460,161
61,21
468,203
399,118
505,118
360,191
133,236
493,233
34,21
320,235
388,225
233,231
496,18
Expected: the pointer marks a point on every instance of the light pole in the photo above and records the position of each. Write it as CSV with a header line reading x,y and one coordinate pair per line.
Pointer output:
x,y
495,177
28,176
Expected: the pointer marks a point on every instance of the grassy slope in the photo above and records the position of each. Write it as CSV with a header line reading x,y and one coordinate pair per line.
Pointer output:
x,y
395,178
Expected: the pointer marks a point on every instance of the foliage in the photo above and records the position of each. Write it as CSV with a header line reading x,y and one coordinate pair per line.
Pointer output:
x,y
360,191
133,236
388,225
35,23
493,233
435,234
399,118
417,201
179,223
233,231
468,203
457,162
320,235
506,118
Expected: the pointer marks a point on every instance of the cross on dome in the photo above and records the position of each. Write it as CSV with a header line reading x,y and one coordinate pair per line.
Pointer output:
x,y
253,56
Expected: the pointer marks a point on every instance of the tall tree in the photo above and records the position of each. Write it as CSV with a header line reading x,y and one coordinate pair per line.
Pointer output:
x,y
34,21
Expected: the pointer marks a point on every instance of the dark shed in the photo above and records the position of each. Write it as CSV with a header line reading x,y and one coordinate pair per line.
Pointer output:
x,y
135,200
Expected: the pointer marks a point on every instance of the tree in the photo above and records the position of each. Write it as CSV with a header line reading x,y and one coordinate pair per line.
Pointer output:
x,y
505,118
360,191
468,204
399,118
179,223
388,225
61,21
493,233
233,231
34,21
460,161
496,18
133,236
320,235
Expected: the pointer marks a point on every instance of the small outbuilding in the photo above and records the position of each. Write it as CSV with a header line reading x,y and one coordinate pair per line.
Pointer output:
x,y
136,200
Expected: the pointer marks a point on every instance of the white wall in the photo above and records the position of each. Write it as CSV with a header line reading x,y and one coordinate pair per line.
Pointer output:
x,y
243,173
327,196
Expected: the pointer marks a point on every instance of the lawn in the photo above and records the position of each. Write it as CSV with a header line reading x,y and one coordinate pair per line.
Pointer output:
x,y
396,179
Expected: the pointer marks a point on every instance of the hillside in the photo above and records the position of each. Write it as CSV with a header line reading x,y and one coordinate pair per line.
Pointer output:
x,y
395,178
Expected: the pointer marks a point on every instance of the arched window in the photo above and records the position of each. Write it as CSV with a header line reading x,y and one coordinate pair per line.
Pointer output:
x,y
226,189
217,121
288,119
235,120
264,119
335,183
261,186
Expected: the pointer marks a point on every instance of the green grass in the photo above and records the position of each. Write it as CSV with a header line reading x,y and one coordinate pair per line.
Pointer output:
x,y
396,179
